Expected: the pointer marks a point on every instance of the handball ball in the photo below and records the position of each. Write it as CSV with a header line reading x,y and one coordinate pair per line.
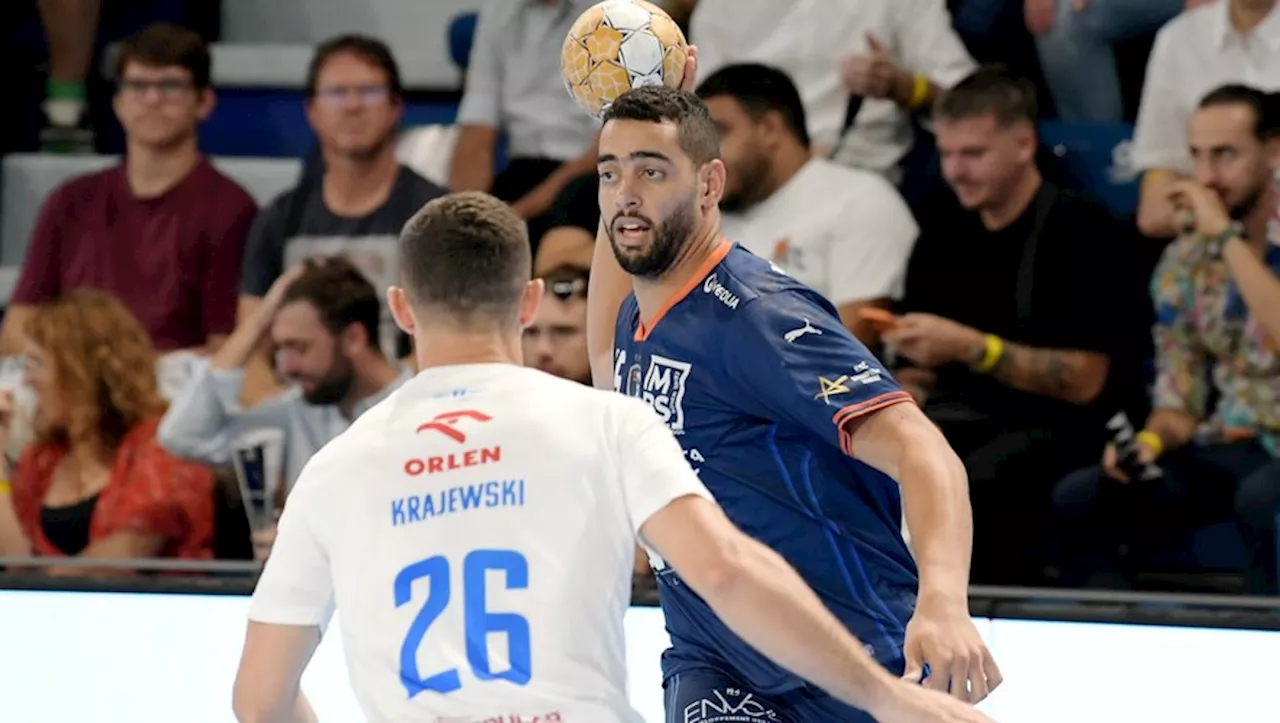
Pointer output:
x,y
618,45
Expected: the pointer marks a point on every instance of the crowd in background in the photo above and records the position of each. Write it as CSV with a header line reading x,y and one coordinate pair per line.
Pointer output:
x,y
1112,383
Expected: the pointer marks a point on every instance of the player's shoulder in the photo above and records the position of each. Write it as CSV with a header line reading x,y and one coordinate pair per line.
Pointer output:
x,y
760,288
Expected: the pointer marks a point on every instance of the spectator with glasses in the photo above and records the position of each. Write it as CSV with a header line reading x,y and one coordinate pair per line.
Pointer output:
x,y
163,231
355,205
95,483
556,341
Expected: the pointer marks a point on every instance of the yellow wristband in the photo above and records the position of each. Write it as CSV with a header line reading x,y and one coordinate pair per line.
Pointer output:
x,y
5,487
992,355
919,91
1152,440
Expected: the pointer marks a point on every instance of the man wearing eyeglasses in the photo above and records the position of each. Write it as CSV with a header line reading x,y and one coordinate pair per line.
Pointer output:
x,y
164,230
353,205
556,341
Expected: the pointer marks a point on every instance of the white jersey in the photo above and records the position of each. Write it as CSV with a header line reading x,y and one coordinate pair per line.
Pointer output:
x,y
477,529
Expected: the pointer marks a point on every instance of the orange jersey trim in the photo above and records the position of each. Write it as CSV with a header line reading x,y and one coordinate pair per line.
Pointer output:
x,y
643,330
853,411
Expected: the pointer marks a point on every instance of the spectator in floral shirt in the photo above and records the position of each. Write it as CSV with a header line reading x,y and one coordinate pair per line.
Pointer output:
x,y
1214,431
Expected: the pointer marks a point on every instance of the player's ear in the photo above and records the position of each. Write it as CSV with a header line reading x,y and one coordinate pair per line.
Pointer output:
x,y
401,309
530,301
712,182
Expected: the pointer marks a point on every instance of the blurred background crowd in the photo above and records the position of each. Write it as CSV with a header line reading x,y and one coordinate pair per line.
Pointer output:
x,y
1057,221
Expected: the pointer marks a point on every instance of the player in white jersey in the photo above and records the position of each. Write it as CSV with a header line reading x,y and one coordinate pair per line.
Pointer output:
x,y
477,527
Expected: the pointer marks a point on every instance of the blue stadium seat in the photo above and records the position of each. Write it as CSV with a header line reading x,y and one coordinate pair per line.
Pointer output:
x,y
1098,159
462,31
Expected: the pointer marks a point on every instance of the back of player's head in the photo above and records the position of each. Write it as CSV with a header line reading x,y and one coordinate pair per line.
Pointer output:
x,y
1265,107
466,255
661,104
992,90
760,89
341,295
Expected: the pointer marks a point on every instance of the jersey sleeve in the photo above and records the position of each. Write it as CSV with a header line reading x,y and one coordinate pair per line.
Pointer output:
x,y
296,586
650,463
789,359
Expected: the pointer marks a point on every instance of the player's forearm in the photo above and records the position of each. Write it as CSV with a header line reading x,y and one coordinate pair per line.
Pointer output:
x,y
606,289
1073,376
766,603
294,710
935,495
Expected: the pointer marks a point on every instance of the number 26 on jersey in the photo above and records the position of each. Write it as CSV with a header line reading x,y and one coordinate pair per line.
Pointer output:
x,y
478,622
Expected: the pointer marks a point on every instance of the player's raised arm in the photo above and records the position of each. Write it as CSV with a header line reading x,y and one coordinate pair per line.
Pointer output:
x,y
609,284
291,606
804,367
751,588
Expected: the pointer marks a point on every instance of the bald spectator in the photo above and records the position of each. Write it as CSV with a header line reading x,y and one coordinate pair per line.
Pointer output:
x,y
556,341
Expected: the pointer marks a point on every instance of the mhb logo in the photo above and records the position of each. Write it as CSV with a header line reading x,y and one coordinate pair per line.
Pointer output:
x,y
663,389
661,386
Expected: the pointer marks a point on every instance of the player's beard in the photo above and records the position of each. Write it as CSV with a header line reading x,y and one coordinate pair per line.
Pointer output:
x,y
669,239
334,386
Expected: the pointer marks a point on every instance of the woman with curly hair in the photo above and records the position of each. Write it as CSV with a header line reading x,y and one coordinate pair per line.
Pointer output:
x,y
95,483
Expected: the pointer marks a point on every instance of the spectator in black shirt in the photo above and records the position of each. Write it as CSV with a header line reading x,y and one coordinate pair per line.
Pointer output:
x,y
1015,308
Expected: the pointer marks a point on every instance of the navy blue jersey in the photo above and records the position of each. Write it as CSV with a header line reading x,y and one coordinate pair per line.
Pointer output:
x,y
756,375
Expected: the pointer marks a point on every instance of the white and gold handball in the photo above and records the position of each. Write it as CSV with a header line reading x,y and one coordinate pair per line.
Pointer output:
x,y
618,45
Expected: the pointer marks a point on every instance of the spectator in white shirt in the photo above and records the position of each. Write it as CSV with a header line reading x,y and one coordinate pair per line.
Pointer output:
x,y
514,90
843,231
1230,41
880,59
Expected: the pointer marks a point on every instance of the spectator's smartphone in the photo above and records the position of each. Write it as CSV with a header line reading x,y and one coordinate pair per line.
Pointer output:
x,y
1125,440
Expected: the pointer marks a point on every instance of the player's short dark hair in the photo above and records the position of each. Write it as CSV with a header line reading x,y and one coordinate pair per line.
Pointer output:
x,y
369,49
991,90
760,89
1265,107
341,294
165,45
568,281
466,255
662,104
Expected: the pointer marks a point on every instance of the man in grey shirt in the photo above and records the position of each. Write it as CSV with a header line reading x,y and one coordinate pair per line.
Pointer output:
x,y
514,89
323,319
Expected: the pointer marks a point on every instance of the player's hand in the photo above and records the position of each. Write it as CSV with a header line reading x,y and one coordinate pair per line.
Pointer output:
x,y
690,80
872,74
907,703
930,341
1207,208
959,662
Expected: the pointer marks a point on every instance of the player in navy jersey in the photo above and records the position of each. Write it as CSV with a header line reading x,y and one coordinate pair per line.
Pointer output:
x,y
794,427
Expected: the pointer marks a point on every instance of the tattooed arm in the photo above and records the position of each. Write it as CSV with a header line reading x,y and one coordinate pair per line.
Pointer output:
x,y
930,341
1074,376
